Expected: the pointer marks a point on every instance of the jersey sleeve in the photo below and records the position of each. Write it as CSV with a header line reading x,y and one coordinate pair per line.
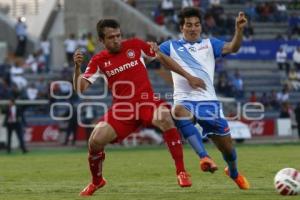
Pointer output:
x,y
147,52
92,71
217,46
165,47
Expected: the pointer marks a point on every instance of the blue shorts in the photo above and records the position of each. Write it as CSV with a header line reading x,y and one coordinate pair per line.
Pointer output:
x,y
209,115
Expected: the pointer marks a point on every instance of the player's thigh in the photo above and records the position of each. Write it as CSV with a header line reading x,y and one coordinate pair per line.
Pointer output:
x,y
103,133
179,112
162,117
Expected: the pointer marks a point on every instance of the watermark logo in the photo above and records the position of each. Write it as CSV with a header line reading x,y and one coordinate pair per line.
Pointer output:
x,y
125,109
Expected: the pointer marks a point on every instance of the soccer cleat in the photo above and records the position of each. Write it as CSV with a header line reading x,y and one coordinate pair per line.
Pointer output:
x,y
184,180
208,165
91,188
240,180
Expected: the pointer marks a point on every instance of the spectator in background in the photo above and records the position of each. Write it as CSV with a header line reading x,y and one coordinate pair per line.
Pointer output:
x,y
65,88
82,43
71,127
91,45
167,7
294,25
17,75
13,122
36,62
186,3
283,96
32,62
214,3
297,114
294,80
169,16
45,50
223,86
253,97
286,110
296,59
250,11
280,12
209,25
6,92
21,32
281,60
265,100
42,88
89,115
265,11
31,92
238,85
158,15
70,47
202,4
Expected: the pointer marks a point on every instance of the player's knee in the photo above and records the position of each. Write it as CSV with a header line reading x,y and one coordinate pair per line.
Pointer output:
x,y
95,144
97,138
179,112
165,122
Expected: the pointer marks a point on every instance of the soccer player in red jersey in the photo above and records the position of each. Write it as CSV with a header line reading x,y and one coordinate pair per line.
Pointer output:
x,y
134,104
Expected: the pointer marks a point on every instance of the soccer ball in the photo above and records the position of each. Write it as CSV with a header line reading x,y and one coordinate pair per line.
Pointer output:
x,y
287,181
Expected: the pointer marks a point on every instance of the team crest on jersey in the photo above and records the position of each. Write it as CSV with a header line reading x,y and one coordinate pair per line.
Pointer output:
x,y
130,54
193,49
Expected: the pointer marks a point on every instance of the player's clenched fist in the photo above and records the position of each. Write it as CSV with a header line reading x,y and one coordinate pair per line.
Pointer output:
x,y
78,57
241,20
196,82
154,46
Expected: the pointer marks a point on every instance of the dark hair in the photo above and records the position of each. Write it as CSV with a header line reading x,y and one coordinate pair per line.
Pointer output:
x,y
103,23
188,12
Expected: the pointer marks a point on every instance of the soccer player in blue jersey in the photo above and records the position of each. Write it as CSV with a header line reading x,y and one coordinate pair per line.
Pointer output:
x,y
197,56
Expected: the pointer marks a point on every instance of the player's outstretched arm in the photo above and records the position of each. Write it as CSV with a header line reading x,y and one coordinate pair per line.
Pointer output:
x,y
172,65
235,44
80,84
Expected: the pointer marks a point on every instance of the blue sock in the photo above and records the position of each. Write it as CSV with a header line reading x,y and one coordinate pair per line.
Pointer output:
x,y
192,135
231,162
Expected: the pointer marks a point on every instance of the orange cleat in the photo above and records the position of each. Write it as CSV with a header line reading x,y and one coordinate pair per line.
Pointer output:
x,y
208,165
91,188
240,180
184,180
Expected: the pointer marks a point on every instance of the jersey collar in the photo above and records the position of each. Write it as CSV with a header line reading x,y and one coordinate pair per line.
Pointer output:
x,y
183,41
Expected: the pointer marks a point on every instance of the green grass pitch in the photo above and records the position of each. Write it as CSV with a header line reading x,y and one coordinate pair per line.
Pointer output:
x,y
141,173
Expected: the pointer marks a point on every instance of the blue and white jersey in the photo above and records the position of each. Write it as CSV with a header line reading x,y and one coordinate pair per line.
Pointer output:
x,y
198,59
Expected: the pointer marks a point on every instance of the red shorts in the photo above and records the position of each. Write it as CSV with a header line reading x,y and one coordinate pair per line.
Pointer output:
x,y
127,117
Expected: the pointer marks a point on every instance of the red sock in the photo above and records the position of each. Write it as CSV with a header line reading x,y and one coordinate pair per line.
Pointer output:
x,y
173,141
95,162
